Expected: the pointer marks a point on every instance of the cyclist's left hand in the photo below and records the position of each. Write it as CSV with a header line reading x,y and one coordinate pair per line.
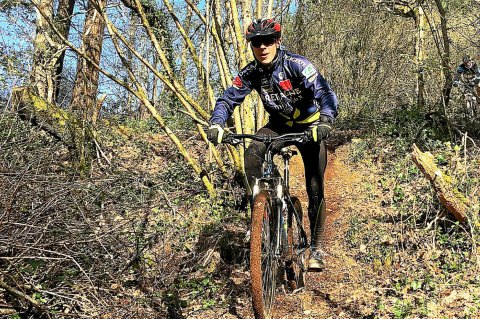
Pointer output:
x,y
323,130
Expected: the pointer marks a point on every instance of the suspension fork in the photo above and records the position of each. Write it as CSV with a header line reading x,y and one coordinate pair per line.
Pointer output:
x,y
286,173
278,226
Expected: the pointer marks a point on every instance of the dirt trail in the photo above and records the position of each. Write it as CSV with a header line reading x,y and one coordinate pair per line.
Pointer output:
x,y
328,293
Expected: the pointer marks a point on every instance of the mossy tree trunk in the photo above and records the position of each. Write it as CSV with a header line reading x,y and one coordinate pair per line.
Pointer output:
x,y
62,21
444,52
420,55
41,76
49,52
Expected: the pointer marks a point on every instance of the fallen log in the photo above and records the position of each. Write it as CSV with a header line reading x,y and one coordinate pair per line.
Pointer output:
x,y
450,197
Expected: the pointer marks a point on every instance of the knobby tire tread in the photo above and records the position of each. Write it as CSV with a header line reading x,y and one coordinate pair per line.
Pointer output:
x,y
261,204
295,274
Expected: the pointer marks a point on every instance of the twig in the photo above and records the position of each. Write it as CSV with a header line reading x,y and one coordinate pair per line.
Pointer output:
x,y
465,137
66,256
17,293
99,150
196,119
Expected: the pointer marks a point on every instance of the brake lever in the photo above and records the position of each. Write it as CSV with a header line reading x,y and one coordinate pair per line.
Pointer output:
x,y
307,137
231,140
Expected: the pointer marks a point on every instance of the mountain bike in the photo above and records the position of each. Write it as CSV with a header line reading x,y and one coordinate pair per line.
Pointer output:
x,y
470,90
470,99
278,242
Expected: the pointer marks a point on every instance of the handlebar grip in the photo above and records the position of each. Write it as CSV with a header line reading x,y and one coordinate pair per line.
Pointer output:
x,y
309,134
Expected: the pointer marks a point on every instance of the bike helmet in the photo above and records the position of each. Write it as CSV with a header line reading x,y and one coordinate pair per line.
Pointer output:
x,y
263,27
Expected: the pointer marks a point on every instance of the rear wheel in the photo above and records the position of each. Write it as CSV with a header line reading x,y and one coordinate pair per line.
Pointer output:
x,y
296,261
263,265
469,105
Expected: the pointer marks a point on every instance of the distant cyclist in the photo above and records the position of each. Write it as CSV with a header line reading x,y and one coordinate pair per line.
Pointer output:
x,y
298,99
468,74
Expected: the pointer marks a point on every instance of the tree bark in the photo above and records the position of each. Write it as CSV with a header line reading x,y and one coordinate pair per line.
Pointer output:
x,y
62,22
49,53
445,54
84,95
42,69
420,55
449,196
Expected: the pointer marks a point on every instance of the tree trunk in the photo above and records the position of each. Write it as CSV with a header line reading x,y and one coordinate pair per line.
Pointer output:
x,y
258,9
445,54
41,74
49,53
300,25
420,55
86,84
62,22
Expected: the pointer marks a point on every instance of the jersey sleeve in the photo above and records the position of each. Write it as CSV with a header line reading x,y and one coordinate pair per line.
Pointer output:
x,y
232,97
456,75
313,82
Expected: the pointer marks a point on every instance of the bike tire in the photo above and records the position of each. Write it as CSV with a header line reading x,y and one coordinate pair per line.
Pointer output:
x,y
295,264
263,266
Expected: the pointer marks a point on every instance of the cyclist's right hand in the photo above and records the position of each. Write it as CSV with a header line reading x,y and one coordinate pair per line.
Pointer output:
x,y
215,134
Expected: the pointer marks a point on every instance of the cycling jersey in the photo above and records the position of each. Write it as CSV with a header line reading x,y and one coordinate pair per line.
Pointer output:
x,y
467,74
293,92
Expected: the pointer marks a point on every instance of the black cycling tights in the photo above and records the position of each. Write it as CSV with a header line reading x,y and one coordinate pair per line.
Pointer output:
x,y
314,157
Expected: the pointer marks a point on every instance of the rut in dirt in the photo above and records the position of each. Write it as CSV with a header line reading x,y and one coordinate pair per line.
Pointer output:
x,y
324,290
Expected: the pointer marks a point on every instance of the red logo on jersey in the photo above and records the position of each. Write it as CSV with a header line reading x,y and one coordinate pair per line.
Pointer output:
x,y
237,82
286,85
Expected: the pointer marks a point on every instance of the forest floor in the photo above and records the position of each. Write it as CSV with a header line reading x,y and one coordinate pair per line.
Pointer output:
x,y
170,252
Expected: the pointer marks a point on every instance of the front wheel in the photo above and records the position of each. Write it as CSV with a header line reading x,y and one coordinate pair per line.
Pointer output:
x,y
296,262
263,264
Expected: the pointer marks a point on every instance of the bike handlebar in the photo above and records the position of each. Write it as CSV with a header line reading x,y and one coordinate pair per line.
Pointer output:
x,y
235,139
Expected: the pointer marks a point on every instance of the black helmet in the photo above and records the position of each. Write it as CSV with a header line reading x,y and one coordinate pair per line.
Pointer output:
x,y
466,59
263,27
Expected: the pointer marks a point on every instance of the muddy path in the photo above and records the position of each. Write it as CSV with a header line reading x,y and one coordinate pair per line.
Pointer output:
x,y
327,292
334,292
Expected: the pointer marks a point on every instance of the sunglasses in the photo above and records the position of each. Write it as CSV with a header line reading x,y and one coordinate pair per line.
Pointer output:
x,y
258,41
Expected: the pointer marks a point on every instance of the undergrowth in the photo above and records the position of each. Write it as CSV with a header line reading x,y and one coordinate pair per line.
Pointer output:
x,y
137,238
424,262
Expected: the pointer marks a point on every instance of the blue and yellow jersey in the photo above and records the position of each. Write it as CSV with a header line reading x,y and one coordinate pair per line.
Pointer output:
x,y
292,90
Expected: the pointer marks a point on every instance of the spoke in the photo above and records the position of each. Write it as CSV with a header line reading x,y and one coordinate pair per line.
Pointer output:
x,y
268,268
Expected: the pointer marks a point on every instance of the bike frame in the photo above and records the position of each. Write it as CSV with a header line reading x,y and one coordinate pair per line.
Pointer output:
x,y
277,186
471,99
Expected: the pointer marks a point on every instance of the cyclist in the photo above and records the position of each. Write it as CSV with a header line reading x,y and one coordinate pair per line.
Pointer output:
x,y
469,74
297,98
